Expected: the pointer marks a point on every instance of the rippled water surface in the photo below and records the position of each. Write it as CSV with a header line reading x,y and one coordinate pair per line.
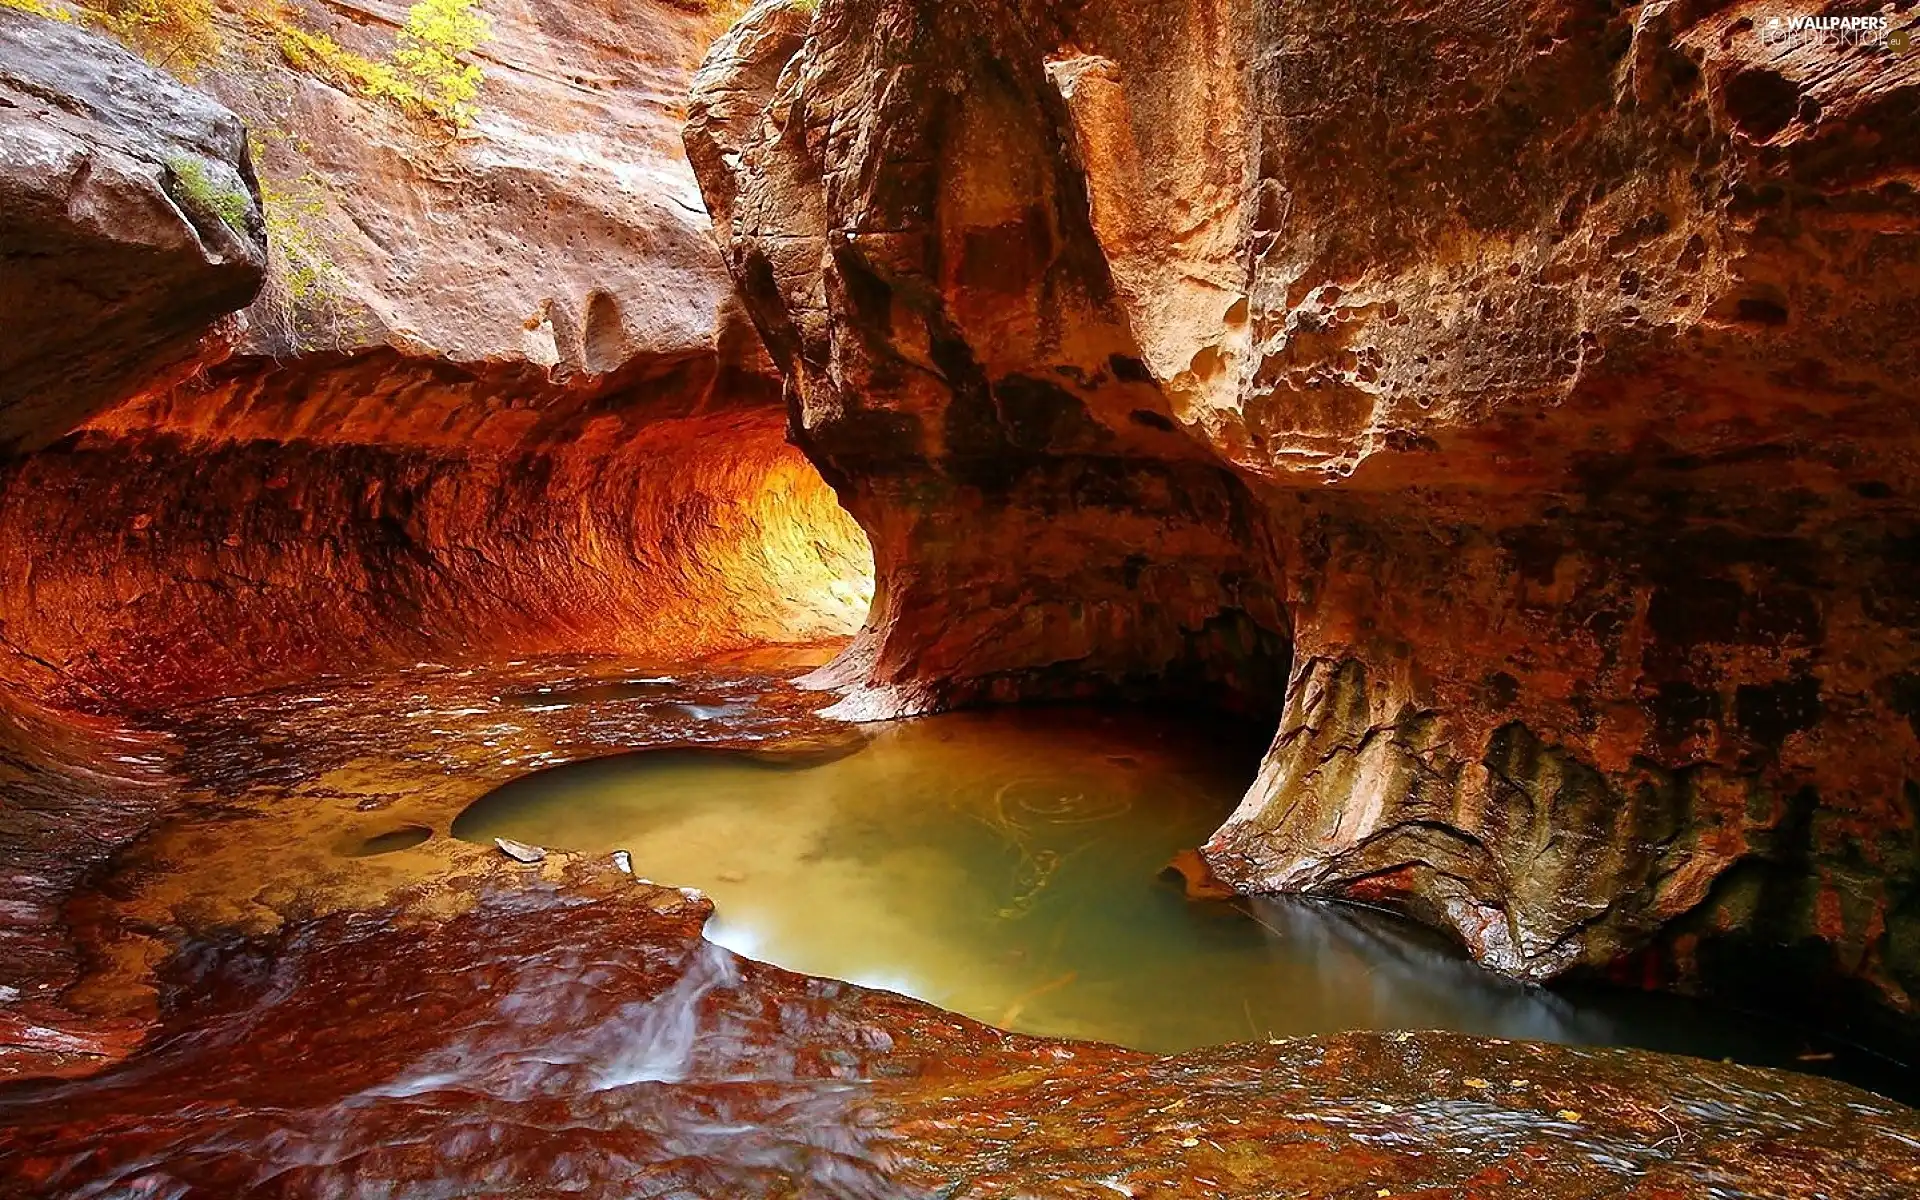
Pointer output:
x,y
1008,865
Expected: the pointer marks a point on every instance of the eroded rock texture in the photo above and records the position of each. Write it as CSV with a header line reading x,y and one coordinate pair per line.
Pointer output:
x,y
499,401
961,368
129,221
134,583
562,233
1534,382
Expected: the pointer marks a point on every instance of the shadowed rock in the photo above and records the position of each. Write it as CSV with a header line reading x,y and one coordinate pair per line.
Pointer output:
x,y
129,222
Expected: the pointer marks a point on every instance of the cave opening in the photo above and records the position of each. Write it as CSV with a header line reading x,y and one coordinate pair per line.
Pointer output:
x,y
279,557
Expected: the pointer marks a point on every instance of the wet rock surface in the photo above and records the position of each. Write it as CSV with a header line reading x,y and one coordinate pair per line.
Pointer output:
x,y
578,1036
258,1005
1540,380
245,812
72,792
129,221
1473,395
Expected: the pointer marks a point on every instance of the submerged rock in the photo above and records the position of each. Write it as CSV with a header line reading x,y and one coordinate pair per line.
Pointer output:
x,y
1191,869
129,221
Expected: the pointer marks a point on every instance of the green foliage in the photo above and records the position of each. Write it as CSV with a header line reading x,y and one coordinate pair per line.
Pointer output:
x,y
806,6
299,259
306,293
194,185
428,76
180,35
318,54
433,51
177,34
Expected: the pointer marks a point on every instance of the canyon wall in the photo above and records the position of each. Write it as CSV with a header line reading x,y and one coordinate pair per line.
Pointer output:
x,y
495,399
960,366
1532,385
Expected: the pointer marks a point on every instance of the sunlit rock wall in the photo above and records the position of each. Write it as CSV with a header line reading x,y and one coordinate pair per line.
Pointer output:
x,y
516,413
960,366
510,406
1553,366
133,582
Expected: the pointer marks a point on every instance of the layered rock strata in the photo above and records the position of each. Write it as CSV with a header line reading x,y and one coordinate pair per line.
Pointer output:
x,y
1533,385
134,583
511,415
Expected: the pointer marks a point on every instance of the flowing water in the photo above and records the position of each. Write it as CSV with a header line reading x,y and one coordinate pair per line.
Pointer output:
x,y
1009,865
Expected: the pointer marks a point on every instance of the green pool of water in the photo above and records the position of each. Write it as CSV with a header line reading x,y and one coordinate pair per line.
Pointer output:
x,y
1008,865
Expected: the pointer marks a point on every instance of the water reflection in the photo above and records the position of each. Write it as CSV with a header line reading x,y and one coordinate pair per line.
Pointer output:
x,y
1007,865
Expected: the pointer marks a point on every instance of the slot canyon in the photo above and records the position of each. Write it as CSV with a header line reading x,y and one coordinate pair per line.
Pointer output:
x,y
959,598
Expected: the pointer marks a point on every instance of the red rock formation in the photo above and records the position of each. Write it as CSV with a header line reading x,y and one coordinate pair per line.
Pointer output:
x,y
133,583
513,415
516,418
72,791
577,1037
960,369
562,233
1544,376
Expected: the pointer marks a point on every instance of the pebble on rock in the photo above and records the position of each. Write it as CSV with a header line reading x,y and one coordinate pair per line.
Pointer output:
x,y
520,851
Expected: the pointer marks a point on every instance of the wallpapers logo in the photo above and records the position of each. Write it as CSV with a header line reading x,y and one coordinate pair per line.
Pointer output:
x,y
1874,30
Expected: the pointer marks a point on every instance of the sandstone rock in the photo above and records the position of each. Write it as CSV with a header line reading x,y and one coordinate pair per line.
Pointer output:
x,y
559,240
129,222
520,412
1196,877
151,569
579,1041
911,232
1523,396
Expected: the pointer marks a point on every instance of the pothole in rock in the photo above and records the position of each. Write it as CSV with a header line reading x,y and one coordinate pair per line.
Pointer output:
x,y
1008,865
387,841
